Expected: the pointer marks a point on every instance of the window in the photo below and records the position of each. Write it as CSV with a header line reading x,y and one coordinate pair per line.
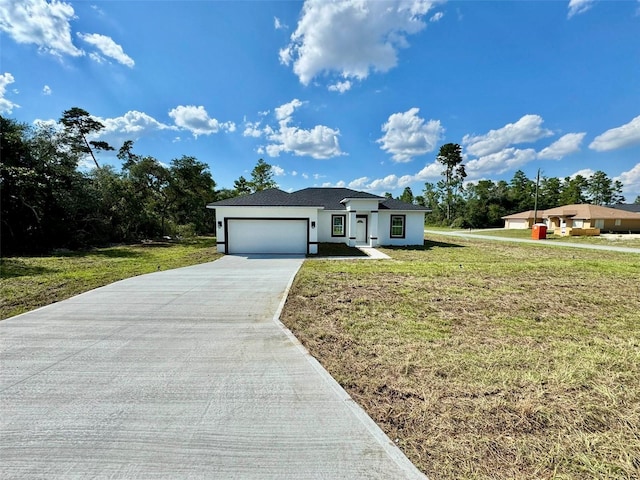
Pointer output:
x,y
337,225
397,226
599,223
618,222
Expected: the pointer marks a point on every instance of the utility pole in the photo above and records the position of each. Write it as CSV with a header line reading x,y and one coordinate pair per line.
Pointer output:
x,y
535,204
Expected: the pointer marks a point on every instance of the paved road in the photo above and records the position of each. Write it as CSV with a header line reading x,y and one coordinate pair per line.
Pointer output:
x,y
179,374
551,243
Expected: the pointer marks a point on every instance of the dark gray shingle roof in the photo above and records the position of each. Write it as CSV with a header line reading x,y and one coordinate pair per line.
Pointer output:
x,y
273,197
327,198
393,204
629,207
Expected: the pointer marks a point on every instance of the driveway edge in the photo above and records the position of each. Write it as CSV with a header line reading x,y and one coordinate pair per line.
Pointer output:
x,y
394,452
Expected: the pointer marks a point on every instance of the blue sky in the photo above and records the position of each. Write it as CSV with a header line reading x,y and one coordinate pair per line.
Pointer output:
x,y
352,93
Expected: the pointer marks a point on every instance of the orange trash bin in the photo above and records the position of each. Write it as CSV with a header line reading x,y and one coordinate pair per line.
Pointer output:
x,y
539,231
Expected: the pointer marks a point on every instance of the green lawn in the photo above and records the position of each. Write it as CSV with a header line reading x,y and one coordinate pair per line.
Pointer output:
x,y
30,282
486,360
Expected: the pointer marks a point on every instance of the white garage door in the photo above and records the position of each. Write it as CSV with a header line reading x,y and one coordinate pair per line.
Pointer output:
x,y
518,224
266,236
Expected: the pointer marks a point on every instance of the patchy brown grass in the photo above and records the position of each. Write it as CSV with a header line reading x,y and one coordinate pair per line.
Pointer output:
x,y
486,360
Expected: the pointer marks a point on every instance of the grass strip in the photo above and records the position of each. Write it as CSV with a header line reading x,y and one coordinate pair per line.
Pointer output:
x,y
30,282
619,240
486,360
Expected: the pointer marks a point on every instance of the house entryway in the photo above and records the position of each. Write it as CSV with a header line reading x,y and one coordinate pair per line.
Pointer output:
x,y
361,229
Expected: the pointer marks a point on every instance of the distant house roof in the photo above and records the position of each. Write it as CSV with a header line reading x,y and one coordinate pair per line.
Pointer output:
x,y
528,215
629,207
586,211
326,198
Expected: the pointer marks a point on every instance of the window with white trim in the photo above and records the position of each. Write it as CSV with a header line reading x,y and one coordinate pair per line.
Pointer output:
x,y
397,226
337,225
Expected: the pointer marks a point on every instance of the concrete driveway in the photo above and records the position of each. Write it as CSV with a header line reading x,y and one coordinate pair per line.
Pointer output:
x,y
179,374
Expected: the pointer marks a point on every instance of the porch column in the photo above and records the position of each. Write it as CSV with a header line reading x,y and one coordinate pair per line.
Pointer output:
x,y
373,229
352,228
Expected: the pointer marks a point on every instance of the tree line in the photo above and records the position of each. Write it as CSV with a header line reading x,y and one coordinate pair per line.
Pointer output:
x,y
48,202
483,203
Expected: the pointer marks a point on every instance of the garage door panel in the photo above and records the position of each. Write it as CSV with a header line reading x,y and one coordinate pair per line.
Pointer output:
x,y
267,236
518,224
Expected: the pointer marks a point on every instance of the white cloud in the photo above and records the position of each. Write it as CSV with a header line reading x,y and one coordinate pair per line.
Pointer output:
x,y
390,182
619,137
340,86
565,145
319,142
46,90
278,25
284,112
44,24
436,17
252,129
197,120
51,123
132,125
98,10
305,176
352,37
406,135
278,171
359,183
108,47
631,183
527,129
432,171
577,7
6,105
499,162
96,57
585,172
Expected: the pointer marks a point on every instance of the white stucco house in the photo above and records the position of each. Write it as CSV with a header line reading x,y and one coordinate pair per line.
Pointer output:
x,y
274,221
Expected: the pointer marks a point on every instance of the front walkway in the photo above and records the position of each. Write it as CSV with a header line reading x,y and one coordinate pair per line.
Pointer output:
x,y
374,254
179,374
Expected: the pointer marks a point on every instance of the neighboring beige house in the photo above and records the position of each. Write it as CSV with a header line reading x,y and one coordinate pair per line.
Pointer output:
x,y
586,219
522,220
578,219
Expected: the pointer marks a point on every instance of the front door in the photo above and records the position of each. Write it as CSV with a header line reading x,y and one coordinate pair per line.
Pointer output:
x,y
361,229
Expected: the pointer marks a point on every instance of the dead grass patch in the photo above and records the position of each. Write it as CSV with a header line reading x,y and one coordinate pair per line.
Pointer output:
x,y
486,360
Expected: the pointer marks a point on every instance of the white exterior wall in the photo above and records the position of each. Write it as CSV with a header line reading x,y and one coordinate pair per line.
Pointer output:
x,y
266,212
414,228
325,227
361,205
